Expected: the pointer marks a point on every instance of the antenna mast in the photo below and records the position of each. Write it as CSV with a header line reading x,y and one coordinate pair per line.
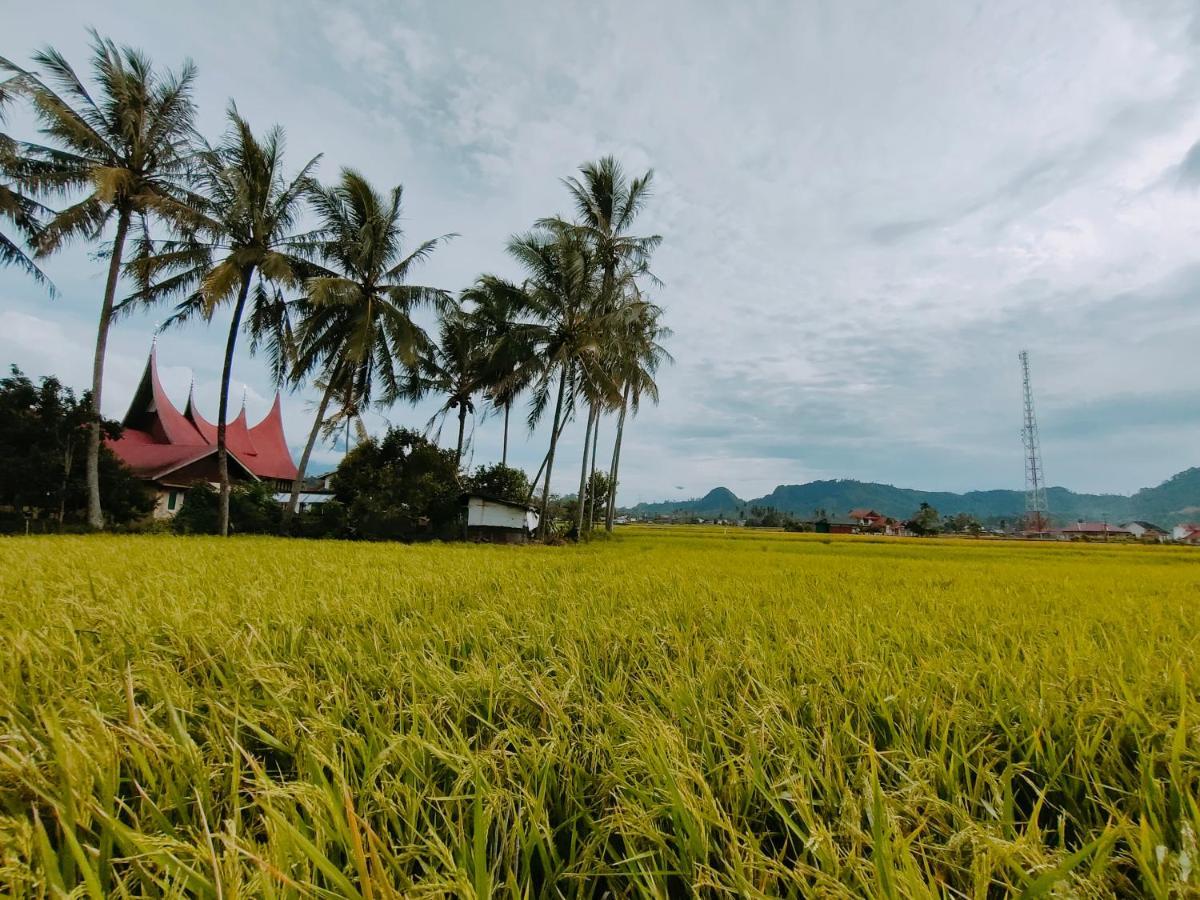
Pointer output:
x,y
1036,512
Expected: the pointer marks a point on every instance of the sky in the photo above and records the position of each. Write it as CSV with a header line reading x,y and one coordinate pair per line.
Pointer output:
x,y
867,211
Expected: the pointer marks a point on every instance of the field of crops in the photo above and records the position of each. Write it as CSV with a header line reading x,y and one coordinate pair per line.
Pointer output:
x,y
673,712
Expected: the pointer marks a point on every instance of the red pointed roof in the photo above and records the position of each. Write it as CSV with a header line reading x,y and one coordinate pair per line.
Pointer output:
x,y
206,428
158,439
151,411
274,458
237,437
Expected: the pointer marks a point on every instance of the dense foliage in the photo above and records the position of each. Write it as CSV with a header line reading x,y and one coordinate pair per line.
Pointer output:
x,y
43,434
399,487
253,509
501,482
757,715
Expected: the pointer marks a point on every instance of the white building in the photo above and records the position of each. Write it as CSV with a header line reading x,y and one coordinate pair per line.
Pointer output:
x,y
498,521
1146,531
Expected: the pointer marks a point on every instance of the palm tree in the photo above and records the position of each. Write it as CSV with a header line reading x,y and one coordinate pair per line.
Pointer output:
x,y
638,357
497,306
455,367
606,204
357,326
16,208
598,387
237,225
562,288
126,150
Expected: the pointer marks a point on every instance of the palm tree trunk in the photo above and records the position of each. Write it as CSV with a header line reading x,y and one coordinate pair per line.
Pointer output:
x,y
235,325
95,514
504,448
562,387
616,459
581,497
541,468
290,510
462,424
591,516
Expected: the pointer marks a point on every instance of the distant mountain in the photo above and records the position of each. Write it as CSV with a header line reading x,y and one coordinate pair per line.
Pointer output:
x,y
1175,500
718,503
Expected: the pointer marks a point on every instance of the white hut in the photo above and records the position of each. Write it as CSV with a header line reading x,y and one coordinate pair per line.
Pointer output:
x,y
499,521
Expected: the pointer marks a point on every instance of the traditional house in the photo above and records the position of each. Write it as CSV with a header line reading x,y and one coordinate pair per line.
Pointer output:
x,y
173,450
498,521
1147,531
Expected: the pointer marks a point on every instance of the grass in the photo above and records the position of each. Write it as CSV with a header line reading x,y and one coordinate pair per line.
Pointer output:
x,y
677,711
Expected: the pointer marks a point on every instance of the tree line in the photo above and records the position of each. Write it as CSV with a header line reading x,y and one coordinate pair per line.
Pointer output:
x,y
216,229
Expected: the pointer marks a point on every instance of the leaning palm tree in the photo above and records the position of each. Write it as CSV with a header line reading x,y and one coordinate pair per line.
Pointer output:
x,y
16,208
455,369
357,327
639,353
561,288
125,150
236,227
497,307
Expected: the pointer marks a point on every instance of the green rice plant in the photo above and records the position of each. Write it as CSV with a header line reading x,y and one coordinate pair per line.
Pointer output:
x,y
678,711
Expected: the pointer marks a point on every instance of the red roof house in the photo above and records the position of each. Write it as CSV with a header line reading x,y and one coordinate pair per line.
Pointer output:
x,y
1083,529
173,449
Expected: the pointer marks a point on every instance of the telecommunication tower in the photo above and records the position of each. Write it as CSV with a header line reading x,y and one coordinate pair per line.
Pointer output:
x,y
1036,513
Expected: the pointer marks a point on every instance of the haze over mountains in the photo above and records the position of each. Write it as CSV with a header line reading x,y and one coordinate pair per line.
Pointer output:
x,y
1175,500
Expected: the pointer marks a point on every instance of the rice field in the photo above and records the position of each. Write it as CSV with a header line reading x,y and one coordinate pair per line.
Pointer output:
x,y
672,713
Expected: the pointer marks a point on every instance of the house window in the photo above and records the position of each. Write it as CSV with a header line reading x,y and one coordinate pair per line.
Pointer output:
x,y
172,496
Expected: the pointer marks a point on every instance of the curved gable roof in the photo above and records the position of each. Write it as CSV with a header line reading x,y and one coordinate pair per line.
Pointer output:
x,y
274,458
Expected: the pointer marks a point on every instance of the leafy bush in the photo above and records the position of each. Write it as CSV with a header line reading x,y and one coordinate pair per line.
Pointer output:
x,y
501,482
43,450
399,487
252,510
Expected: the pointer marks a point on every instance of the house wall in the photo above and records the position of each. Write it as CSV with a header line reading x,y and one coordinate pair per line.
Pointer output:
x,y
484,514
497,535
164,508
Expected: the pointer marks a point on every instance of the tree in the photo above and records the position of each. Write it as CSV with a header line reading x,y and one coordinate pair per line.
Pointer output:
x,y
638,357
606,204
17,209
399,487
509,364
500,481
127,151
599,491
560,289
357,324
454,368
236,225
43,429
925,522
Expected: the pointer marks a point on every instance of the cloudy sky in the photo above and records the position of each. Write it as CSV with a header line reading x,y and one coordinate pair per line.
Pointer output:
x,y
868,209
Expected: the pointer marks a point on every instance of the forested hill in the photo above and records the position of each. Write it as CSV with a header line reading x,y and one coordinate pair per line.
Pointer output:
x,y
1175,500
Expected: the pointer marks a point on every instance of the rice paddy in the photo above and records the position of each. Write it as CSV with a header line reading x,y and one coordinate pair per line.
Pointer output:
x,y
673,712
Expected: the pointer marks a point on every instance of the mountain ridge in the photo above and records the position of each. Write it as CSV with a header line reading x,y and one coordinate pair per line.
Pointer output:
x,y
1173,501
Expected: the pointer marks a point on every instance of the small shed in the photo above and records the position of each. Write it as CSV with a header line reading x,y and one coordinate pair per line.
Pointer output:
x,y
499,521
